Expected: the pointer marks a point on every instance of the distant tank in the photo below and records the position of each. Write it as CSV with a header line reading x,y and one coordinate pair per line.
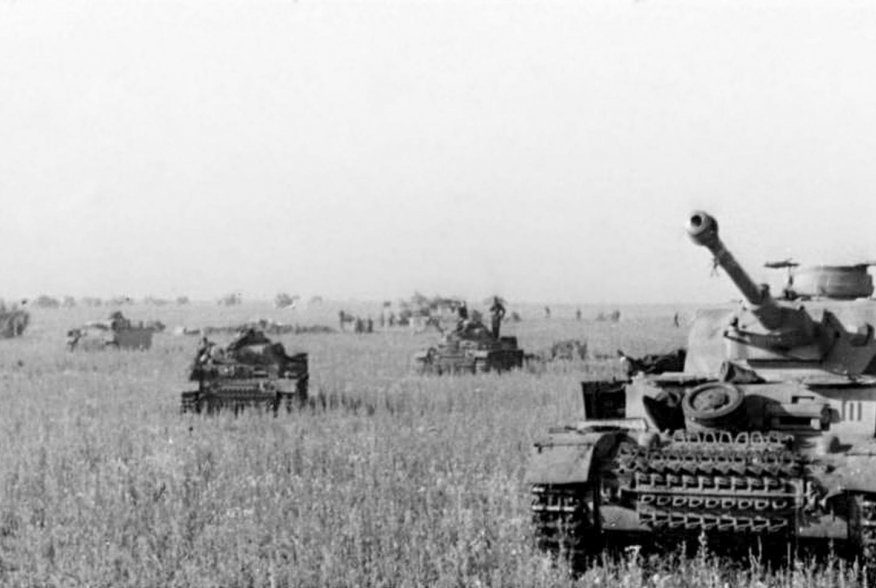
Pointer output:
x,y
13,322
767,437
252,371
471,348
117,332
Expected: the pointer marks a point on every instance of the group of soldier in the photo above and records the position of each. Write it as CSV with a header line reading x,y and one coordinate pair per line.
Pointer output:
x,y
360,325
465,324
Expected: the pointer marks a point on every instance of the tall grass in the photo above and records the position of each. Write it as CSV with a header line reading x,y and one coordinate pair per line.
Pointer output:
x,y
400,481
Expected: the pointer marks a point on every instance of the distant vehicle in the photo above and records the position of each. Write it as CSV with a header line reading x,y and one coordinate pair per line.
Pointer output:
x,y
231,299
117,332
45,301
284,300
13,322
470,349
252,371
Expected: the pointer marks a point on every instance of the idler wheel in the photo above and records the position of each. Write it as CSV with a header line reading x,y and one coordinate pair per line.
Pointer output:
x,y
713,404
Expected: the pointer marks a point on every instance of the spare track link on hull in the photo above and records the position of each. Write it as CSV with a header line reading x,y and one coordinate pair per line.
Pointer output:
x,y
716,483
563,520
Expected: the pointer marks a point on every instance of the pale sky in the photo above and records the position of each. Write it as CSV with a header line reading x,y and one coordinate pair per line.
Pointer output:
x,y
542,150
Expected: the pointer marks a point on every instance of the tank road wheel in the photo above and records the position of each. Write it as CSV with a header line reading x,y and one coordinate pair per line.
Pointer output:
x,y
481,366
564,522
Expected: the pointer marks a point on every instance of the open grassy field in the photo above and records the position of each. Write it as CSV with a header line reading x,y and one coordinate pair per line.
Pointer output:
x,y
401,481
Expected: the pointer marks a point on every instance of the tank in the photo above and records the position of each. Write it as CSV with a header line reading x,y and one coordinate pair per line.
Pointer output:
x,y
766,436
251,371
117,332
12,322
470,348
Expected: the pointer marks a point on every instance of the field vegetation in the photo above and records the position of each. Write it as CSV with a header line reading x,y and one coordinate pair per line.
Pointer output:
x,y
391,480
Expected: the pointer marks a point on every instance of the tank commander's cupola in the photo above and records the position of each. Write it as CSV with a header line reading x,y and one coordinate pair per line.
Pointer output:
x,y
830,282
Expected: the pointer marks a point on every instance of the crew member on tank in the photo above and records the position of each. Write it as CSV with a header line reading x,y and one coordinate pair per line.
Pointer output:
x,y
118,322
497,311
462,311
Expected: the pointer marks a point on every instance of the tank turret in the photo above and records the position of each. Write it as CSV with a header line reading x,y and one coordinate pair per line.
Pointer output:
x,y
825,282
775,334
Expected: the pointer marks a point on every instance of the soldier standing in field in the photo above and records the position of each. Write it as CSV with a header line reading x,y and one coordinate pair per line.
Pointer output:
x,y
498,313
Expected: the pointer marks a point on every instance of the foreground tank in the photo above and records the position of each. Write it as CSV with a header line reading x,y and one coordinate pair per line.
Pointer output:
x,y
252,371
766,437
470,349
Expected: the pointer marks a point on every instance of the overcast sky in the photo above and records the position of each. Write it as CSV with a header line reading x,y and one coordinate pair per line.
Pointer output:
x,y
542,150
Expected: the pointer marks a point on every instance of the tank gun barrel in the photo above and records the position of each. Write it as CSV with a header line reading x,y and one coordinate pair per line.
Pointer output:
x,y
703,230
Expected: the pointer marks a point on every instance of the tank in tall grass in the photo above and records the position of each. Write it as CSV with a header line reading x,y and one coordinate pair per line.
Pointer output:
x,y
767,436
117,332
13,322
470,348
251,371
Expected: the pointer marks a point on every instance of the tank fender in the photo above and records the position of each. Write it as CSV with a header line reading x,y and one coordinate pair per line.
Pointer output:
x,y
569,457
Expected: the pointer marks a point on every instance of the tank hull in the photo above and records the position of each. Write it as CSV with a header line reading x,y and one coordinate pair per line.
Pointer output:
x,y
492,356
792,464
237,395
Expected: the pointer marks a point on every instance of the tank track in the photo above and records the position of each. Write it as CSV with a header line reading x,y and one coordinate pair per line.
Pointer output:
x,y
736,488
867,509
563,520
717,482
749,484
237,399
